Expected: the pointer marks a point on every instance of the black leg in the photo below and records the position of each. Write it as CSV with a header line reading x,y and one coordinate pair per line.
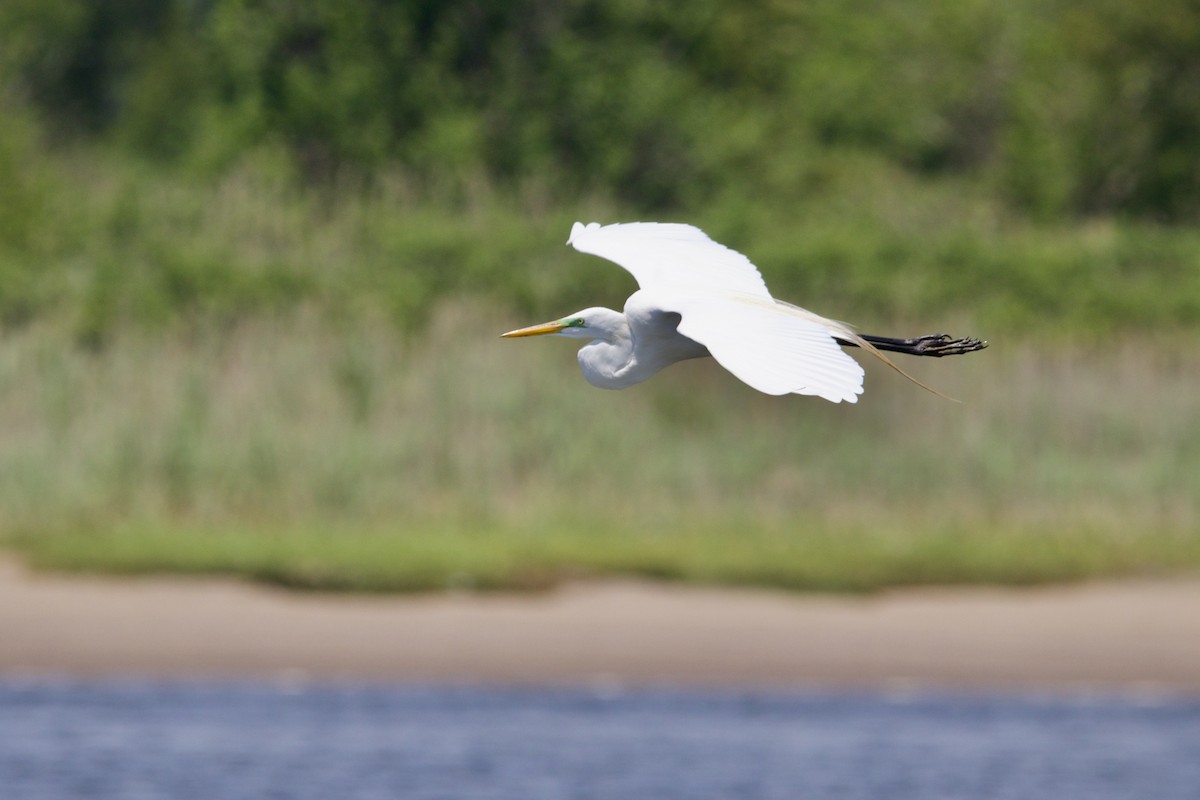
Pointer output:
x,y
934,345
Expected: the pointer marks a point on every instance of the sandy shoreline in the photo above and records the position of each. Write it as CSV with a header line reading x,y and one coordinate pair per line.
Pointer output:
x,y
1130,635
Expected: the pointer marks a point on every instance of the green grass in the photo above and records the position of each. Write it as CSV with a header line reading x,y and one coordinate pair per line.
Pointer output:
x,y
106,245
359,458
432,557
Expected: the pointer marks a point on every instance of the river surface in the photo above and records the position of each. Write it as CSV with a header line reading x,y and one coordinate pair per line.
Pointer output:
x,y
63,740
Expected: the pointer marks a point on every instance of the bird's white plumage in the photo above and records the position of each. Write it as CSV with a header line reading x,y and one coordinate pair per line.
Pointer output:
x,y
699,298
663,255
771,348
725,306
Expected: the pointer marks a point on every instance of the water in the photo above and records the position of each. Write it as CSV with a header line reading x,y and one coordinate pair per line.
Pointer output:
x,y
132,740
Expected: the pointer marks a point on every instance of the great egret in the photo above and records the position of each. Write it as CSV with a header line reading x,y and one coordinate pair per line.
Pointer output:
x,y
699,298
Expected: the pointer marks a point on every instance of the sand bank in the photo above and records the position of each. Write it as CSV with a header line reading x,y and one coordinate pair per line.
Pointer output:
x,y
1141,635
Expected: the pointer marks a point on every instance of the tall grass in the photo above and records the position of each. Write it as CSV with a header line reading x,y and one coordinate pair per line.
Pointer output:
x,y
353,456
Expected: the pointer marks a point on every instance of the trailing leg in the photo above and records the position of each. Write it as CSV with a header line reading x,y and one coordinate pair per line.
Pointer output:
x,y
934,344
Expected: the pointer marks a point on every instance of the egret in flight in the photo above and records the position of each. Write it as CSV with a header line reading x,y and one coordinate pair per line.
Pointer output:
x,y
699,298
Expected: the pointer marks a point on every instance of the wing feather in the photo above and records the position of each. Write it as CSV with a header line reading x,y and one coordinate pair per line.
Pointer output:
x,y
770,347
724,305
665,255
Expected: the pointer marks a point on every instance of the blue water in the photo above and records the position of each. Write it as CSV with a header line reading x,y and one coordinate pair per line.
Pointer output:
x,y
132,740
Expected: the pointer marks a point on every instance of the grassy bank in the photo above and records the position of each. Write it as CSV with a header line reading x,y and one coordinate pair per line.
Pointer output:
x,y
434,556
250,286
360,458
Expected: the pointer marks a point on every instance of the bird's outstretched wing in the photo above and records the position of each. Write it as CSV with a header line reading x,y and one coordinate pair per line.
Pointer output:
x,y
724,304
669,255
770,346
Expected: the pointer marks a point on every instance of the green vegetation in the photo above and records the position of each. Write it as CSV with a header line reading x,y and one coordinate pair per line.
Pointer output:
x,y
113,245
254,257
436,558
1057,107
372,461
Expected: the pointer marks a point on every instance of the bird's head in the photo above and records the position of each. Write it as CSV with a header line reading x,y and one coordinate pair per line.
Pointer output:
x,y
590,323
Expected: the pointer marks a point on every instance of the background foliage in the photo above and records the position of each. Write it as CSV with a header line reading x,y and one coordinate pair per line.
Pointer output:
x,y
891,157
229,229
1059,109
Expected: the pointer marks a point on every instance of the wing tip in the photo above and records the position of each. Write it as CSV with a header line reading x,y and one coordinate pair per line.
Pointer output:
x,y
666,230
579,228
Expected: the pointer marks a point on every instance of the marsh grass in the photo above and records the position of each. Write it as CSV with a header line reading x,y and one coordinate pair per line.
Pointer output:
x,y
353,457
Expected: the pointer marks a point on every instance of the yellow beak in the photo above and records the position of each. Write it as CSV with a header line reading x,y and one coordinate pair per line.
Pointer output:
x,y
535,330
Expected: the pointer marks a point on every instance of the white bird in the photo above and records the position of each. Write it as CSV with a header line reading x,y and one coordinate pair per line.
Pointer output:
x,y
699,298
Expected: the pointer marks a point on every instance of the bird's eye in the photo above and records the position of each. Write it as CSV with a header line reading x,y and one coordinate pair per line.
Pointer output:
x,y
577,322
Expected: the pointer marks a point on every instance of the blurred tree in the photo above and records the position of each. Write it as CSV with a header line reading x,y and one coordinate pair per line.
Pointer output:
x,y
1064,108
1140,138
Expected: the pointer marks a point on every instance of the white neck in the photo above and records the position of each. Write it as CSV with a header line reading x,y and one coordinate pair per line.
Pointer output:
x,y
606,360
629,349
